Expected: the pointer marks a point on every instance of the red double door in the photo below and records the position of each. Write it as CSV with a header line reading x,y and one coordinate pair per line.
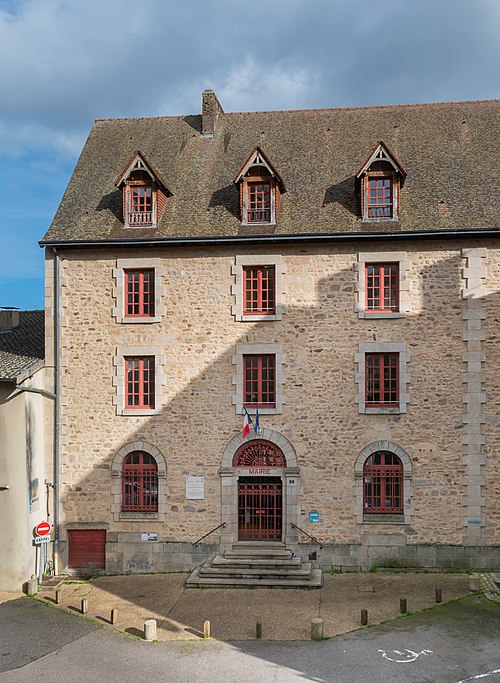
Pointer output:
x,y
260,509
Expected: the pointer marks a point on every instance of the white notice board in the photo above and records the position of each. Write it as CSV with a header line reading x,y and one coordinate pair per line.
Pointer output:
x,y
195,488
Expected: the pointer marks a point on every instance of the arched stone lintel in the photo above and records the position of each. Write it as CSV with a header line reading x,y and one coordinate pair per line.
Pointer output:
x,y
267,435
383,446
121,454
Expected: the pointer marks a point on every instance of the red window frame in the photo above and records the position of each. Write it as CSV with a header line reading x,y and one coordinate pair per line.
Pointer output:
x,y
382,287
259,290
139,382
380,198
259,202
141,205
382,380
139,483
139,293
383,484
259,383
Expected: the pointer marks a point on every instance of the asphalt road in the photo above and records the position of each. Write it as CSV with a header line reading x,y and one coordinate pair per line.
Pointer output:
x,y
454,643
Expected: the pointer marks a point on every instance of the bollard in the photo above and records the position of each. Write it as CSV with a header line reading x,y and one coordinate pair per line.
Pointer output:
x,y
439,596
316,629
206,629
474,583
85,606
32,587
58,597
402,605
364,617
258,630
114,616
150,629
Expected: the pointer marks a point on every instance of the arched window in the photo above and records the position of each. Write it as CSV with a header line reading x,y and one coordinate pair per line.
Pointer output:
x,y
139,483
383,484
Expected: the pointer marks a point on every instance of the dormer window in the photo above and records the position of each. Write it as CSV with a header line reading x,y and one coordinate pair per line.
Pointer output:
x,y
140,205
260,190
259,202
381,179
144,194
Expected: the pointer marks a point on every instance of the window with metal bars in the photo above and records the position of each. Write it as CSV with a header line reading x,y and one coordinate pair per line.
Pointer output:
x,y
141,205
383,484
380,204
259,202
382,380
140,382
382,287
259,290
259,388
139,483
139,294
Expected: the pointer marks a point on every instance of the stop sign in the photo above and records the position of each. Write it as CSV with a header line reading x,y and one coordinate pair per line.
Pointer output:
x,y
42,529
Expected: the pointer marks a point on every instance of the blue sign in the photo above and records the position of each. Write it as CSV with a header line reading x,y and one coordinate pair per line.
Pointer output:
x,y
314,516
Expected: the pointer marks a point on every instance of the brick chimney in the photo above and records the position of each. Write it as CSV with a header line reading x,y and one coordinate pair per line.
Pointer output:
x,y
210,110
9,319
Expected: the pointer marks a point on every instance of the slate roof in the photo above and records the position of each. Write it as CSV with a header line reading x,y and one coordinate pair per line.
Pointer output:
x,y
22,349
450,152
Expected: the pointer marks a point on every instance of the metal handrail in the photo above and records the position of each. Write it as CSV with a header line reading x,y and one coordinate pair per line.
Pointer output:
x,y
210,532
313,538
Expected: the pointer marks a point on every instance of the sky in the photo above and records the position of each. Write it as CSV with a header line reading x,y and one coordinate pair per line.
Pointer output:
x,y
68,62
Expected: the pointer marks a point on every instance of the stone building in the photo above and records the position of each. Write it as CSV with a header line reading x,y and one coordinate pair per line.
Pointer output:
x,y
24,482
334,273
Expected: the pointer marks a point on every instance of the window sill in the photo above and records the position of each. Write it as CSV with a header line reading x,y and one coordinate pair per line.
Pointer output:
x,y
140,227
250,225
137,412
372,410
257,317
131,516
383,519
262,411
134,321
378,316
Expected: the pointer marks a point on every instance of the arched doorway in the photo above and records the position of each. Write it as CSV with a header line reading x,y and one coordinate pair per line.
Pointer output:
x,y
259,480
260,498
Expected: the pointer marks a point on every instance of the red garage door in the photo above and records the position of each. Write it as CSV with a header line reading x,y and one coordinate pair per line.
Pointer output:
x,y
87,549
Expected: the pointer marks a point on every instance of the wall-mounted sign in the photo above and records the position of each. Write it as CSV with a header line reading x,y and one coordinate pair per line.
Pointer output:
x,y
473,521
195,488
149,537
314,516
33,495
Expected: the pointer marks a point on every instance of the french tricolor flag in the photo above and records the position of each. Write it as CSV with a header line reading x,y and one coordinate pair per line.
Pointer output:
x,y
246,424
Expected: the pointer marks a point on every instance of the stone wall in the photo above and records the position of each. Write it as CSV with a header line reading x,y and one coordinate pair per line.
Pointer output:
x,y
320,332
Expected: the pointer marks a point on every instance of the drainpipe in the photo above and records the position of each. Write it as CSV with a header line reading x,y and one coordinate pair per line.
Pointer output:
x,y
57,417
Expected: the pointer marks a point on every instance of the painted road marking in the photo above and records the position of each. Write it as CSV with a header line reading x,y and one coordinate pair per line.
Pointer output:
x,y
476,678
404,656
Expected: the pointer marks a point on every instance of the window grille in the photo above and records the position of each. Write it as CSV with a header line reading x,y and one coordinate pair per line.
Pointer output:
x,y
383,484
139,483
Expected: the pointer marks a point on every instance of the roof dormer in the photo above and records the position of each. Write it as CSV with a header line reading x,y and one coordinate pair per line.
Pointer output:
x,y
260,187
381,178
144,194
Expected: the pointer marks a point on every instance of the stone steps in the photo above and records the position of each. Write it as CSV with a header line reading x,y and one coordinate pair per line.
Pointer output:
x,y
248,565
315,581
